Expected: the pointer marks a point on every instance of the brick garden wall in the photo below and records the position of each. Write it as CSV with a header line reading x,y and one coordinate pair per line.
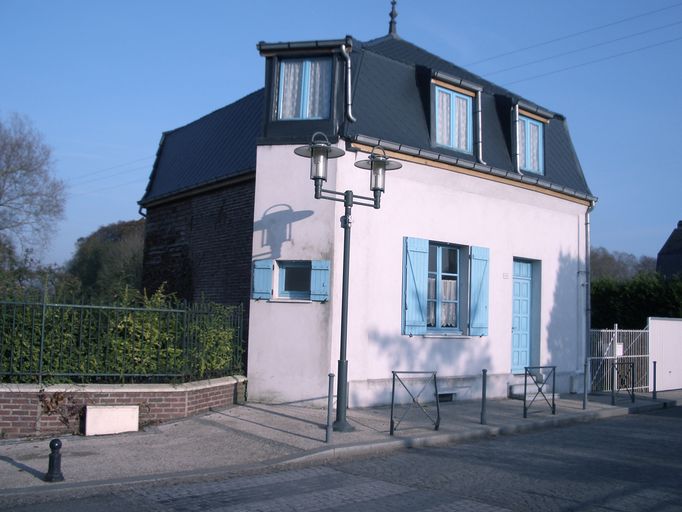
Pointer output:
x,y
28,410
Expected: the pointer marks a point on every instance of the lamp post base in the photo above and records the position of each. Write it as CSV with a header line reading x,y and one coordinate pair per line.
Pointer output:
x,y
343,426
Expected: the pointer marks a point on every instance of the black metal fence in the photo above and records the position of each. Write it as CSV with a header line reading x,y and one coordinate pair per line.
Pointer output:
x,y
45,342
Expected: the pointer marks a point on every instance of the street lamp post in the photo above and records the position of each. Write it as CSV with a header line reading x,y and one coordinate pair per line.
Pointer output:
x,y
320,151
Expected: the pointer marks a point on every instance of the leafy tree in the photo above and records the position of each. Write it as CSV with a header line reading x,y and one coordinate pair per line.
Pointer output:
x,y
109,260
31,198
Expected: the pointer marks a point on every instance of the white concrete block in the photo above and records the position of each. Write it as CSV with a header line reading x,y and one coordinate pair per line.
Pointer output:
x,y
111,419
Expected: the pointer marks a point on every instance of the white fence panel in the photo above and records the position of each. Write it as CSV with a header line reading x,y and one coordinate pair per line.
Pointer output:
x,y
621,346
666,350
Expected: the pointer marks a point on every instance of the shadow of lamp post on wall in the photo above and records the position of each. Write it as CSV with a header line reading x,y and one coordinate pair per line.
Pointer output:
x,y
319,151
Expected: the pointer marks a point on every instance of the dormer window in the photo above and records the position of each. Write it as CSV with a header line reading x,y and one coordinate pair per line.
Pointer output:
x,y
531,144
453,119
305,87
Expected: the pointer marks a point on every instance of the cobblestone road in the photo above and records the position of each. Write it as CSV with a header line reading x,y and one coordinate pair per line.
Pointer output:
x,y
632,463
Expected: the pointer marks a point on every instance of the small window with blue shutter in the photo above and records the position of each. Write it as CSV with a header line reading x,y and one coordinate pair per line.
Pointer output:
x,y
295,280
445,289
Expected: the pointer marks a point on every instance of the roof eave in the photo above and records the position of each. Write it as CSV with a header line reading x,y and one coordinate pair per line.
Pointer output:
x,y
468,164
198,189
267,49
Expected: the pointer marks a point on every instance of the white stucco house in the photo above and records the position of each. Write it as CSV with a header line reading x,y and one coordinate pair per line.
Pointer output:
x,y
476,258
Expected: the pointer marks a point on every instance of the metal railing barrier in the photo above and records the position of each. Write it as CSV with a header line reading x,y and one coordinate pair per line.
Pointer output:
x,y
623,377
539,380
415,398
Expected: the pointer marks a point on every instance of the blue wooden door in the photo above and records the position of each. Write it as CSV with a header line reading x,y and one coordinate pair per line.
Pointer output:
x,y
521,311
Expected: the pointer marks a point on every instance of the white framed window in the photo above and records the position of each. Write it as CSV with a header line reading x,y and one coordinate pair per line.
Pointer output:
x,y
453,119
531,145
294,279
305,87
443,288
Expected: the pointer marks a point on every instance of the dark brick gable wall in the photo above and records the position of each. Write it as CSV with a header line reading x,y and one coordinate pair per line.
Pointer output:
x,y
200,246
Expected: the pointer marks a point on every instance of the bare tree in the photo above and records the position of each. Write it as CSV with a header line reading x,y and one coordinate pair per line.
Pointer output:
x,y
31,197
618,265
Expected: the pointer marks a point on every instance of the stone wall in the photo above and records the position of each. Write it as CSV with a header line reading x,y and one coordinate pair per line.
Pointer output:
x,y
31,410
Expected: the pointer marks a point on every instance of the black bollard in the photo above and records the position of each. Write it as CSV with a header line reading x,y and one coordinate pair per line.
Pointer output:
x,y
54,468
484,383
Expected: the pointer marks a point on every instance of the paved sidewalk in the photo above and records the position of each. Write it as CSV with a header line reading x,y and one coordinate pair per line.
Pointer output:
x,y
254,436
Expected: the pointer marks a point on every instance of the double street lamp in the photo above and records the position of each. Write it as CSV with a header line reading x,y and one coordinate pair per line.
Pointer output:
x,y
319,151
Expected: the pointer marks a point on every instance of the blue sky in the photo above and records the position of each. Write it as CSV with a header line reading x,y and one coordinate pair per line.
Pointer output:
x,y
103,79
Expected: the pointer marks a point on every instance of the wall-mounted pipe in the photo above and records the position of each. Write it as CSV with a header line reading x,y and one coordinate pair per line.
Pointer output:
x,y
479,130
515,134
588,279
349,97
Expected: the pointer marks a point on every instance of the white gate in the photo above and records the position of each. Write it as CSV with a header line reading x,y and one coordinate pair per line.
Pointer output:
x,y
609,346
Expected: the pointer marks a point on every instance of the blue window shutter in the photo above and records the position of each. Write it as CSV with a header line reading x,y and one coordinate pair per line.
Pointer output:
x,y
415,280
319,280
478,321
262,279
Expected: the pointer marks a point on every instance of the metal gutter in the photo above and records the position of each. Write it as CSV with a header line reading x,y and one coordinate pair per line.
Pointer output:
x,y
534,109
271,48
515,135
479,130
346,48
459,82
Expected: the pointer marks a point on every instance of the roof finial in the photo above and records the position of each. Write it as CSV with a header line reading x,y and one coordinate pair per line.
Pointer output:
x,y
393,14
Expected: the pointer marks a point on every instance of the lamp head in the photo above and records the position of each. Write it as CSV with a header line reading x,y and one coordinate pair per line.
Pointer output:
x,y
378,164
319,151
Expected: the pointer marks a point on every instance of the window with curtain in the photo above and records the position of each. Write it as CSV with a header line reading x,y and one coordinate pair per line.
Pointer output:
x,y
531,145
445,288
305,88
454,120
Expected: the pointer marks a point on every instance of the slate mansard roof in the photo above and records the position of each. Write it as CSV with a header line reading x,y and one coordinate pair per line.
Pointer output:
x,y
391,103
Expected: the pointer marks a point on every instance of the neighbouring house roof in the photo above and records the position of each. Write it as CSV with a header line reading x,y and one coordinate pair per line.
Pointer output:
x,y
216,147
669,261
391,103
